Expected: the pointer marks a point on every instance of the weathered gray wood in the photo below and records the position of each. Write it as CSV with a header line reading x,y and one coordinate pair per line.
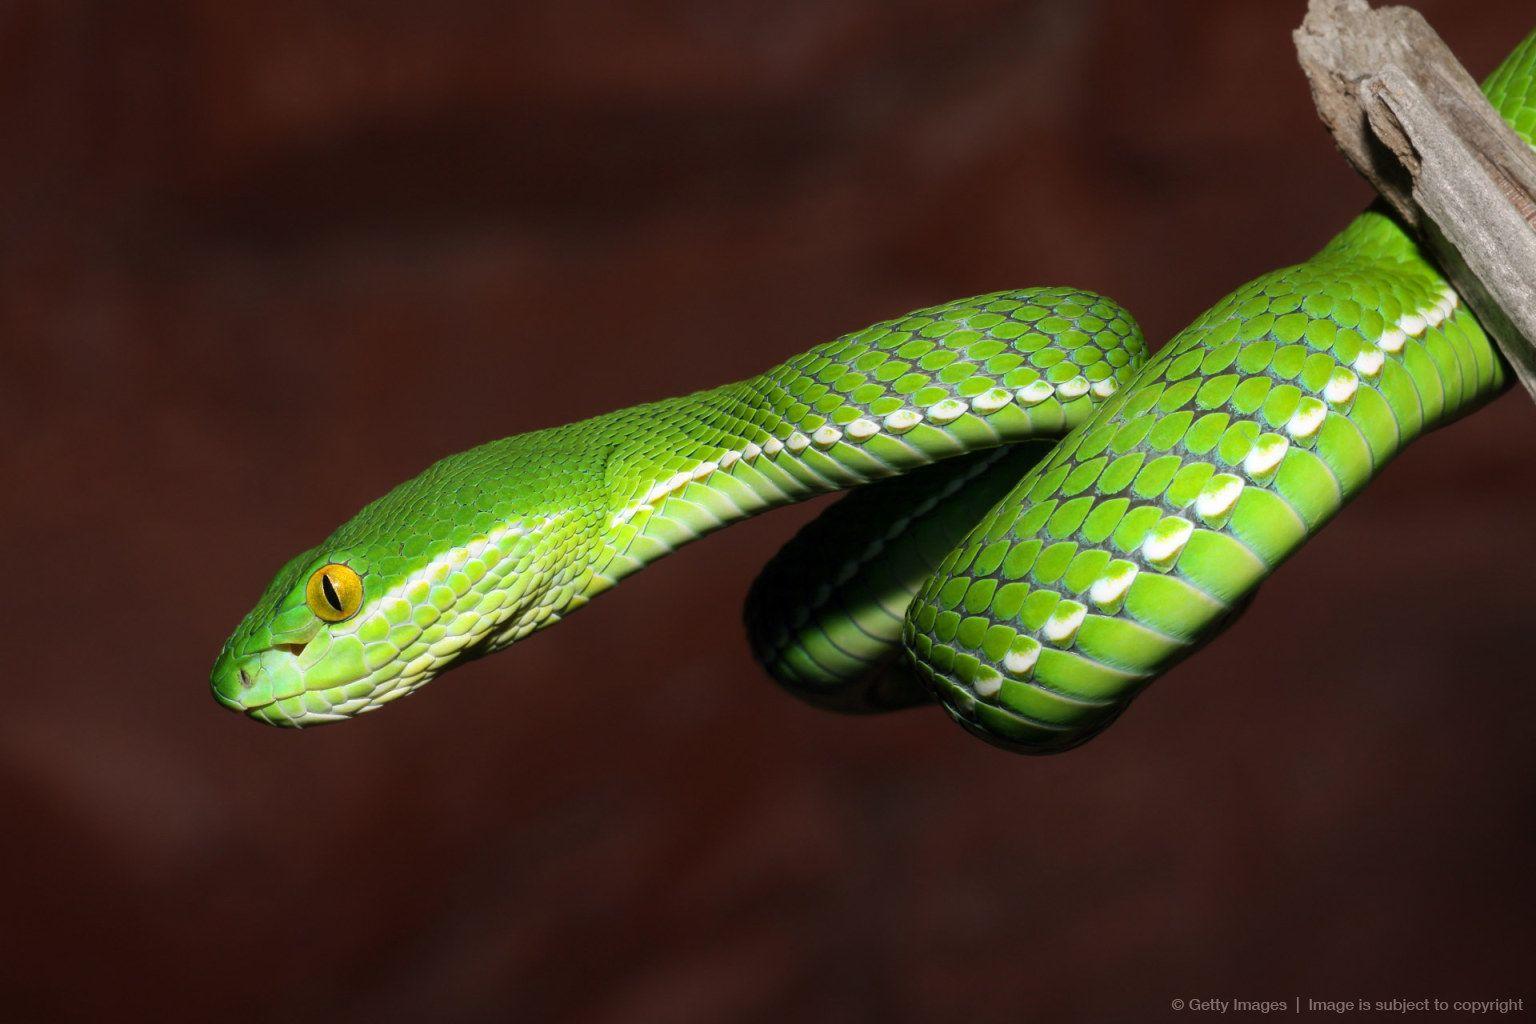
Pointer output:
x,y
1417,127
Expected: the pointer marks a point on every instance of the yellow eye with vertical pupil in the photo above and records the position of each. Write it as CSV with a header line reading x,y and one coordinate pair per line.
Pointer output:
x,y
334,592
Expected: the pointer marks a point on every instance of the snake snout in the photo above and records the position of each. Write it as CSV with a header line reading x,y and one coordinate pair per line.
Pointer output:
x,y
250,683
232,678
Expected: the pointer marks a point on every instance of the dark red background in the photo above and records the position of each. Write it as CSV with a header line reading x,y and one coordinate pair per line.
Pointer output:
x,y
262,260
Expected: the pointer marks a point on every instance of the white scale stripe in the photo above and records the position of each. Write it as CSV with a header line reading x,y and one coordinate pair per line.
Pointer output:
x,y
862,429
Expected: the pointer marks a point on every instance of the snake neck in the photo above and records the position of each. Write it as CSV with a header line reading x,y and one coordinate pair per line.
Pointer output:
x,y
872,404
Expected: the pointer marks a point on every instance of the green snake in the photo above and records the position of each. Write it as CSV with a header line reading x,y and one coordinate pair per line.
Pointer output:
x,y
1031,588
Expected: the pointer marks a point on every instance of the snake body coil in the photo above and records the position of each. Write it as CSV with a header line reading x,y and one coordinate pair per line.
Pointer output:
x,y
1033,590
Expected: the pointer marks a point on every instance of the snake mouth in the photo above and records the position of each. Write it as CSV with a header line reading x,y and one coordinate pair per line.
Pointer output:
x,y
295,684
253,684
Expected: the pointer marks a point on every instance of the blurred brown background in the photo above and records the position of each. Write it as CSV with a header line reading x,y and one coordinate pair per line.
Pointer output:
x,y
263,260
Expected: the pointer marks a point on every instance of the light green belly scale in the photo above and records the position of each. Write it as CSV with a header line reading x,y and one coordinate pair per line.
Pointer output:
x,y
1032,589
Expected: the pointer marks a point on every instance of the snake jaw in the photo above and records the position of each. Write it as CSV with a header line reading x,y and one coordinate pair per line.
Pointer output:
x,y
253,684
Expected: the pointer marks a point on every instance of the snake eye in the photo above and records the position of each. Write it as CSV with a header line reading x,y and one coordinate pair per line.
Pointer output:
x,y
334,592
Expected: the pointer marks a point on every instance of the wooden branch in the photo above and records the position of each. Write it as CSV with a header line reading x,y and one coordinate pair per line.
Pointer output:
x,y
1416,126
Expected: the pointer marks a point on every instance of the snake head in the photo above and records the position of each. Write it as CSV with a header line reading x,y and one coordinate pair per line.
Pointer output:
x,y
436,572
339,633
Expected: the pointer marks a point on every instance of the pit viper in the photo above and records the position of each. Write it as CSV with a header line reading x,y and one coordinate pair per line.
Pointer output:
x,y
1045,518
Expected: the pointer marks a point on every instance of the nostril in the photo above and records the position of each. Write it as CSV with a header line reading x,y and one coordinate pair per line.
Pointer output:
x,y
245,679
